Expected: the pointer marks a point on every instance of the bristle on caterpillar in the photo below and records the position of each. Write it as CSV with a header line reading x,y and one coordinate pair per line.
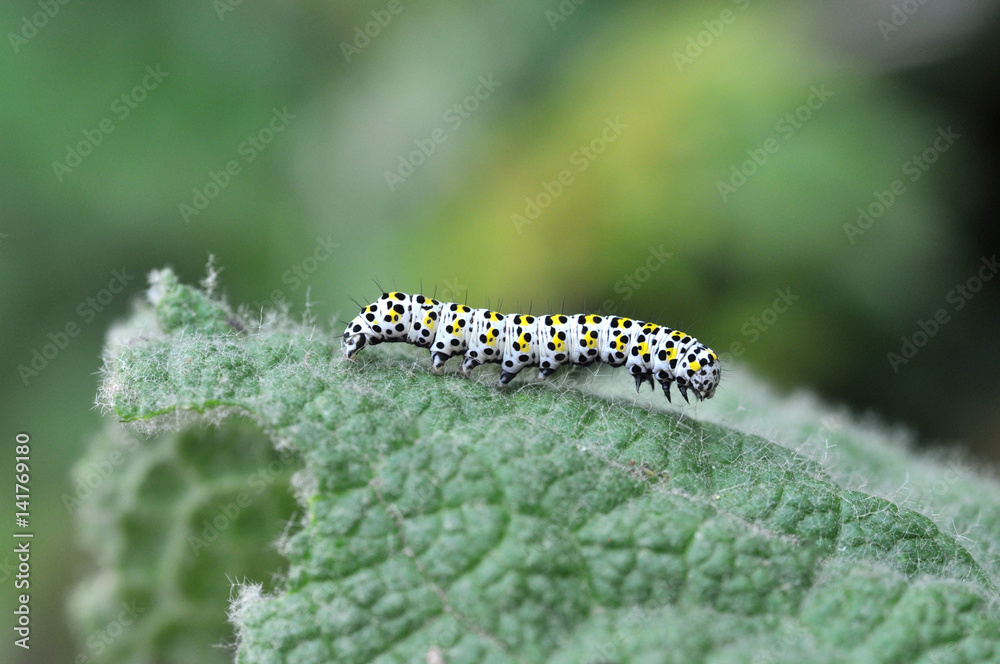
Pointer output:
x,y
516,341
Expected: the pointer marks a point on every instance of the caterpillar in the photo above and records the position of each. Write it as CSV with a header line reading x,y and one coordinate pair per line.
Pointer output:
x,y
516,341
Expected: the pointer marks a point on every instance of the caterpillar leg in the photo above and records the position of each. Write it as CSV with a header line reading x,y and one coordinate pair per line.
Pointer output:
x,y
545,373
665,382
468,364
641,378
506,377
437,362
683,389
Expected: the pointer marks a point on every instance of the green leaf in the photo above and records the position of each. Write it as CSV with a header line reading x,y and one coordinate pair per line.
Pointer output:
x,y
172,522
447,520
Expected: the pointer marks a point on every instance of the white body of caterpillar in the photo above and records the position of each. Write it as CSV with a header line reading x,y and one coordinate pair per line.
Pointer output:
x,y
516,341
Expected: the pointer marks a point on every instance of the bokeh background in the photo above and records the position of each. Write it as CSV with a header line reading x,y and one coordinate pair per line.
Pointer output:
x,y
704,165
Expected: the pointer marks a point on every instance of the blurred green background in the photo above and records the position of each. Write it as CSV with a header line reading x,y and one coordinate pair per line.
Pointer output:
x,y
703,165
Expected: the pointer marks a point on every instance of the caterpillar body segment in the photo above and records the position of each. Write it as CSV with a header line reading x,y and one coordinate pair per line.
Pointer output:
x,y
650,352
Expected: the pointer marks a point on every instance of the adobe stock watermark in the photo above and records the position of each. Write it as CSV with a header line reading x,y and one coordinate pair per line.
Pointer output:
x,y
786,127
957,297
913,168
613,649
100,641
755,328
451,291
790,639
249,150
226,514
30,25
453,118
634,280
7,568
86,313
299,273
955,474
900,14
818,447
956,479
223,7
447,637
629,284
561,13
552,535
580,160
95,473
122,108
363,35
696,44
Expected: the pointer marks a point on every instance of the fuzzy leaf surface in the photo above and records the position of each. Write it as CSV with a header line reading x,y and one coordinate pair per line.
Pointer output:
x,y
449,521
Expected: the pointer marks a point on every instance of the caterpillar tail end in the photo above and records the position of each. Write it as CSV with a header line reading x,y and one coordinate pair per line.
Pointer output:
x,y
353,343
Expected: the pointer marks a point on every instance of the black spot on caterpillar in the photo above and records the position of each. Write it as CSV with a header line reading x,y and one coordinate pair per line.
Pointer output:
x,y
516,341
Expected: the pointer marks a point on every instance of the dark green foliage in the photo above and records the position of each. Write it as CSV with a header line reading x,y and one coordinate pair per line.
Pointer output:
x,y
173,522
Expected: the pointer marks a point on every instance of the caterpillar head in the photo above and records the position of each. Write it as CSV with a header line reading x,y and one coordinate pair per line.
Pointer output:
x,y
699,371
